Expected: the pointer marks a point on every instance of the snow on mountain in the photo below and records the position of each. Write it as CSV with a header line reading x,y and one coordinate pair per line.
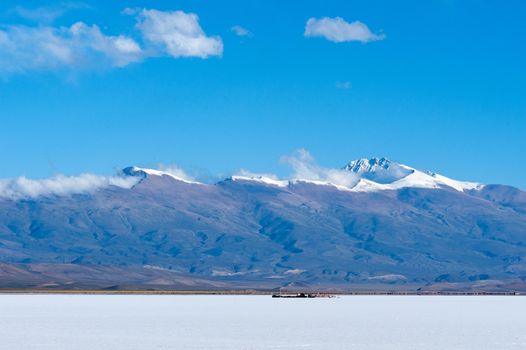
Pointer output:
x,y
261,179
176,174
382,174
322,183
375,174
379,170
265,180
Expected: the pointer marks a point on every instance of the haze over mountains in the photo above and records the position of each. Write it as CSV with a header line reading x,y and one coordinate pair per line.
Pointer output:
x,y
372,225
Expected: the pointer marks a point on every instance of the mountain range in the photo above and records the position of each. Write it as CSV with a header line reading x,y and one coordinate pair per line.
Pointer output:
x,y
374,225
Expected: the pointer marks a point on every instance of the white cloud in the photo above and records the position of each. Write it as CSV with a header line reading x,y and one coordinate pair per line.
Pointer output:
x,y
177,34
81,46
305,168
24,48
240,31
60,185
338,30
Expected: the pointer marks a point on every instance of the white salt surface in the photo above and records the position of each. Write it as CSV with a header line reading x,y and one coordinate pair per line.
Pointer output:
x,y
259,322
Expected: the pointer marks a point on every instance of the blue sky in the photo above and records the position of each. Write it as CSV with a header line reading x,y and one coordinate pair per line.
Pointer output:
x,y
437,85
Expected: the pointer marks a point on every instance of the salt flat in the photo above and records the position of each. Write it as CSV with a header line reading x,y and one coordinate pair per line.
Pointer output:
x,y
259,322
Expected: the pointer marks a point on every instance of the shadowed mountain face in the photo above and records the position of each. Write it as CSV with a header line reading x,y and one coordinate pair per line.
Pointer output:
x,y
251,234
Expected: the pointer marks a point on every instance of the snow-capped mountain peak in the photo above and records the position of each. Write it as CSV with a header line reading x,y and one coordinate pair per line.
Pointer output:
x,y
383,174
365,165
379,170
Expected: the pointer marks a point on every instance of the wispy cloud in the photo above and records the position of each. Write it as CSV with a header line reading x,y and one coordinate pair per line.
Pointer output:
x,y
338,30
240,31
305,168
81,46
61,185
345,85
177,172
47,14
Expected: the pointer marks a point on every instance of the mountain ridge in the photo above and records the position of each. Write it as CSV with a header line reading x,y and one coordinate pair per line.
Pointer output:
x,y
244,233
372,174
